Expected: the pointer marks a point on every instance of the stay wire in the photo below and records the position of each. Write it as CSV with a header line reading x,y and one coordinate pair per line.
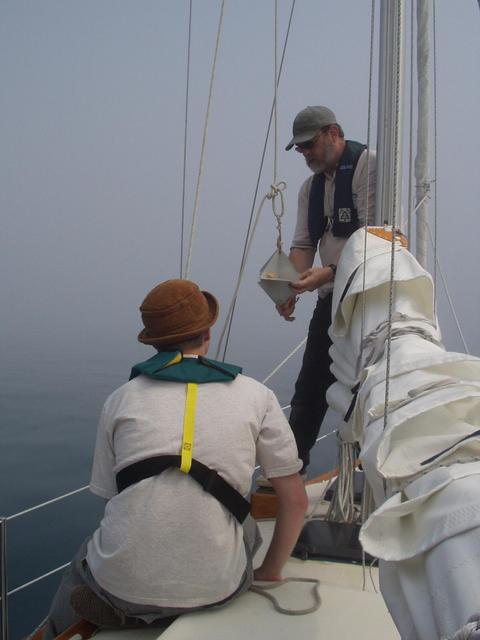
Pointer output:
x,y
275,96
410,138
239,280
185,136
276,189
435,164
257,185
204,142
394,221
449,297
367,204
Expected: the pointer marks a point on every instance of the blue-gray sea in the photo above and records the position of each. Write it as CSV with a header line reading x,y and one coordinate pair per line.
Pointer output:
x,y
50,405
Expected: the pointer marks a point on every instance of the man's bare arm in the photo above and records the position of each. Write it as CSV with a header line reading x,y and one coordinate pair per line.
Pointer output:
x,y
302,259
292,505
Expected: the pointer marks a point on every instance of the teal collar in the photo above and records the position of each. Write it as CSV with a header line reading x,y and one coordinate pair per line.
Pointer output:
x,y
172,366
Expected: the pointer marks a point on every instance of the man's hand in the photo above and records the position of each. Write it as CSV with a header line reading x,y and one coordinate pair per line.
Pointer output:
x,y
311,279
262,575
287,308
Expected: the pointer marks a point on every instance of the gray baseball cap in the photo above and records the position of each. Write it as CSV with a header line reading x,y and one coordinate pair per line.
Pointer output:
x,y
308,123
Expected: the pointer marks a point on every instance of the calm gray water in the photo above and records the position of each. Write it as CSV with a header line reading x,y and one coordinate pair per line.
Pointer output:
x,y
50,404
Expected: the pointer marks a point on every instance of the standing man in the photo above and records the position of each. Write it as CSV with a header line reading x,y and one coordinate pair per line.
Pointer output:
x,y
332,204
174,459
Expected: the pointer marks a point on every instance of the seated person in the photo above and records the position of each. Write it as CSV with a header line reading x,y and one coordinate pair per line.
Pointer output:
x,y
166,545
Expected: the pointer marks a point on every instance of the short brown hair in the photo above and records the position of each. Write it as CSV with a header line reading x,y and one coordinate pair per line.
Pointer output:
x,y
184,345
340,130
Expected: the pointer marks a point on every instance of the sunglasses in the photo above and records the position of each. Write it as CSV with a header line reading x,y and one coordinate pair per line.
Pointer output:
x,y
309,144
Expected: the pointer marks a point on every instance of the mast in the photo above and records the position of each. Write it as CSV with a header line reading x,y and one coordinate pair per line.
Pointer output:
x,y
390,97
421,159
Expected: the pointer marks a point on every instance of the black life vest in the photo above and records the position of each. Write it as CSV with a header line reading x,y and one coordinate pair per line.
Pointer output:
x,y
345,216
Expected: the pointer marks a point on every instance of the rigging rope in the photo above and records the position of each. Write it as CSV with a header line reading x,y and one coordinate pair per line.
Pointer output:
x,y
342,508
422,155
449,298
204,143
242,270
255,194
275,97
394,225
410,137
277,190
185,136
285,360
435,164
367,204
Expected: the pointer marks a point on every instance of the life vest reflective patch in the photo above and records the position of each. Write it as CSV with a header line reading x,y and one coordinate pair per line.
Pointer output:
x,y
345,215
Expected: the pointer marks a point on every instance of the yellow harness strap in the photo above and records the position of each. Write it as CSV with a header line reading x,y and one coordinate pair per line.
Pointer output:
x,y
177,358
188,427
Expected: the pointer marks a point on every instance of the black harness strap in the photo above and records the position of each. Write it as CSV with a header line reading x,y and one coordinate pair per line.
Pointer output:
x,y
209,479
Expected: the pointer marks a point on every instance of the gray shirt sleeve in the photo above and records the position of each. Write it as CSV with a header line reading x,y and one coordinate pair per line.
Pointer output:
x,y
301,237
276,448
103,481
363,186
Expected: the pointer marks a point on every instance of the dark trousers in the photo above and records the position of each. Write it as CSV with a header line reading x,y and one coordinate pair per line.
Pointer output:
x,y
309,404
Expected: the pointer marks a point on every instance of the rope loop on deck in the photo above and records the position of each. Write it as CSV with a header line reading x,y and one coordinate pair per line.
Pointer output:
x,y
263,589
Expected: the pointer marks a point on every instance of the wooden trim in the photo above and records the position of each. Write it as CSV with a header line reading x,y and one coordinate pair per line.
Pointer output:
x,y
83,628
265,504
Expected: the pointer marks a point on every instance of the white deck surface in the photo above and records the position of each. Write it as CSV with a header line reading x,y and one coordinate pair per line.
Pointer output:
x,y
346,610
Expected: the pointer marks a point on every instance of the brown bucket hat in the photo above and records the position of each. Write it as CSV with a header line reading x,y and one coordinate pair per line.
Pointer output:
x,y
176,310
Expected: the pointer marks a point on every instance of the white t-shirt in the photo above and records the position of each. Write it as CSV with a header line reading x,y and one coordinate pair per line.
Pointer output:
x,y
165,541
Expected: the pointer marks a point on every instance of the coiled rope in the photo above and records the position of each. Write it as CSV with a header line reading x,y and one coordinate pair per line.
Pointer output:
x,y
277,190
342,508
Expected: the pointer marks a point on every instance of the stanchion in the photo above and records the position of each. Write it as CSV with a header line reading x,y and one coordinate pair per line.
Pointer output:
x,y
4,584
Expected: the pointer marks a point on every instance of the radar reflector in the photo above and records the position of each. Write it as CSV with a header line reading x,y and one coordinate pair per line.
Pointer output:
x,y
275,276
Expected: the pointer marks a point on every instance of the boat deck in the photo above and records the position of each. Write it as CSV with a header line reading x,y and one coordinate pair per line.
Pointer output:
x,y
346,610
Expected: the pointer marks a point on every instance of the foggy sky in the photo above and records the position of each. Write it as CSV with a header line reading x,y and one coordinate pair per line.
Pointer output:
x,y
92,103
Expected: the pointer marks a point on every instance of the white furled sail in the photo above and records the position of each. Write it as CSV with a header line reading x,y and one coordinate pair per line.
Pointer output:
x,y
423,462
